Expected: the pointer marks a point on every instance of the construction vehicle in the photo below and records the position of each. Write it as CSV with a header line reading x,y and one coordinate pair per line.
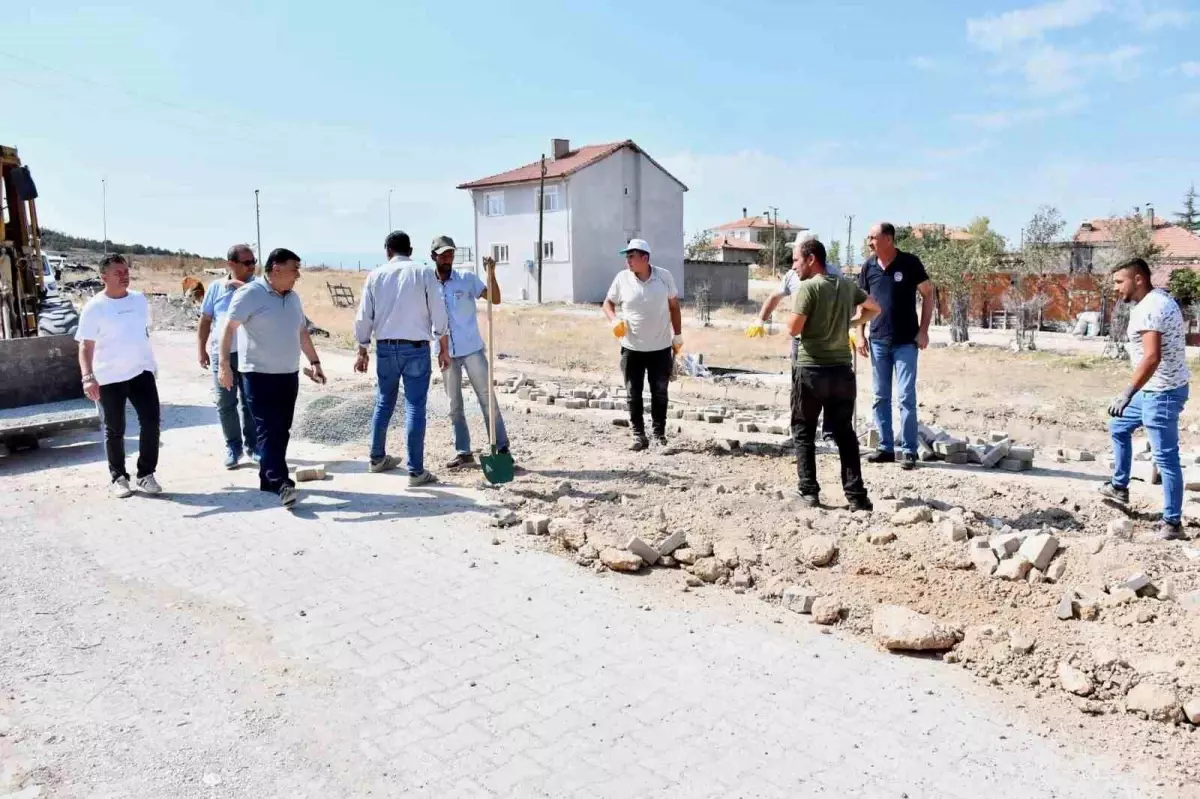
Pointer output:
x,y
41,391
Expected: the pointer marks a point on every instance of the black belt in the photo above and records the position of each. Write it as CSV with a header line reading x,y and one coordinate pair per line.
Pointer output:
x,y
402,341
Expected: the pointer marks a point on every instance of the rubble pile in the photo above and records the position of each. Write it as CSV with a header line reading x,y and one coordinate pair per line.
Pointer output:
x,y
173,311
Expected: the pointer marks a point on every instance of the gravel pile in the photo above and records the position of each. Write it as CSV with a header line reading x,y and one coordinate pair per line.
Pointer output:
x,y
173,312
336,419
48,412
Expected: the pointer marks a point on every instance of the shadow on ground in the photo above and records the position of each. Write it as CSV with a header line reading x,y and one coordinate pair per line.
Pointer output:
x,y
315,502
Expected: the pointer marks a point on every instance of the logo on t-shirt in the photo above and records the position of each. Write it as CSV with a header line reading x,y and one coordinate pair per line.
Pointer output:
x,y
899,277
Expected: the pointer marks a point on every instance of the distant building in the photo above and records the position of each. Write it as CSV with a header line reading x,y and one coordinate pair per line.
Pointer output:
x,y
735,250
757,229
597,197
1093,243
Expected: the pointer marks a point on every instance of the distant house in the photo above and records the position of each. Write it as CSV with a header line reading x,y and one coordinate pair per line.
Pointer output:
x,y
597,197
1092,248
757,229
733,250
919,230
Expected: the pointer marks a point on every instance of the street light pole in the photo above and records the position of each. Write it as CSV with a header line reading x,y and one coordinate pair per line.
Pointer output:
x,y
774,239
257,227
389,230
849,240
104,210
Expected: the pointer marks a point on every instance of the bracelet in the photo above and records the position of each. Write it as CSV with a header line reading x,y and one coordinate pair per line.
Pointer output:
x,y
314,363
89,378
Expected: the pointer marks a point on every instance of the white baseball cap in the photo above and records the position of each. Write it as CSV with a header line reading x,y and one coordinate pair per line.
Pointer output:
x,y
636,244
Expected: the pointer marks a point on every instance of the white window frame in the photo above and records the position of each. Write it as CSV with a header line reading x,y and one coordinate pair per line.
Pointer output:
x,y
499,250
551,199
547,250
487,203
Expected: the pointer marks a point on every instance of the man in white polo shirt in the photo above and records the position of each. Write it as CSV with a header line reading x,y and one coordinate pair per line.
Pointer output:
x,y
650,327
118,366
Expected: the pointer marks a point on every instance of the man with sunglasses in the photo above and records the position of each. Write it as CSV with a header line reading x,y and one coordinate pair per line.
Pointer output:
x,y
239,434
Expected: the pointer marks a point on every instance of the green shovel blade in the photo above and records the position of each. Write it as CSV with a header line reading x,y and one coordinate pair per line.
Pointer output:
x,y
498,467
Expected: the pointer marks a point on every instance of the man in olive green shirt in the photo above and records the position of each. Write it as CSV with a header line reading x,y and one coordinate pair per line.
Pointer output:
x,y
823,311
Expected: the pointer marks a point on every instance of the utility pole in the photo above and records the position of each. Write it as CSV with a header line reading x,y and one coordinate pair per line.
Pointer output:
x,y
104,210
774,239
541,221
849,240
257,228
389,230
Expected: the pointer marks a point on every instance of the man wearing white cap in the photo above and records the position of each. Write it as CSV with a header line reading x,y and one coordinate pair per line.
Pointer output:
x,y
649,326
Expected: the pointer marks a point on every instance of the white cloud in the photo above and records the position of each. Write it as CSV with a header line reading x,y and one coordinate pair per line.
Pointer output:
x,y
1191,102
1151,17
1190,69
1001,31
1009,117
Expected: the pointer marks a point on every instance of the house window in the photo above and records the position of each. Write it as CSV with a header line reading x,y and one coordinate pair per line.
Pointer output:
x,y
500,253
494,204
551,202
547,250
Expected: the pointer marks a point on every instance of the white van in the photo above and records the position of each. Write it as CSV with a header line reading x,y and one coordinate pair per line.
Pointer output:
x,y
51,266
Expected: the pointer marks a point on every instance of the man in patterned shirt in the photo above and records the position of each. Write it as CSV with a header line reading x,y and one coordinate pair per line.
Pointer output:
x,y
1156,395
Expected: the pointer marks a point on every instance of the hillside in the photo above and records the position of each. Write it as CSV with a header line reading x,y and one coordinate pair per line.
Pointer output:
x,y
57,240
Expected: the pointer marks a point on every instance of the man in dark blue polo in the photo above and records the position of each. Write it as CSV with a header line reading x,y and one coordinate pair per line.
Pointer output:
x,y
894,279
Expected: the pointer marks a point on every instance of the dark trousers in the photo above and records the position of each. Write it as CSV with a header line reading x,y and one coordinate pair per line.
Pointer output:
x,y
273,403
655,366
142,394
830,389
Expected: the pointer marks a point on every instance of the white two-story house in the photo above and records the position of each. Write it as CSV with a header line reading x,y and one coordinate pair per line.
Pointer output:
x,y
597,197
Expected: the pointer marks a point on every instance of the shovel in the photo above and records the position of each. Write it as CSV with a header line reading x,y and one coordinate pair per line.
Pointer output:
x,y
498,466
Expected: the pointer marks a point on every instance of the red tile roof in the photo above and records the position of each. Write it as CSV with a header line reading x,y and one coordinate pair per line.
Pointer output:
x,y
758,223
734,243
569,164
1176,242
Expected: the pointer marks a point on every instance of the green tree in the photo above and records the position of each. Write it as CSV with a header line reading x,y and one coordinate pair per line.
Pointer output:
x,y
834,255
1184,285
955,267
1042,251
1189,217
1133,238
782,250
700,247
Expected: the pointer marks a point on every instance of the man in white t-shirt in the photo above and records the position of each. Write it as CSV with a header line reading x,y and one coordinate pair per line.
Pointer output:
x,y
1156,395
650,327
118,366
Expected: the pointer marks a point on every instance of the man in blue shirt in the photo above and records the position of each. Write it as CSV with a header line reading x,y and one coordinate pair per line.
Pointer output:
x,y
402,309
240,262
894,279
460,290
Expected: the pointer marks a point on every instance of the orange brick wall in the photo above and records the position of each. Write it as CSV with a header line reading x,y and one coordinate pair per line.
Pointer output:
x,y
1069,295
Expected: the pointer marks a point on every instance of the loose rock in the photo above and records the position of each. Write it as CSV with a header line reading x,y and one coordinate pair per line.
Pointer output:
x,y
537,525
798,598
1013,569
1120,528
881,537
1074,681
898,628
826,610
953,529
709,569
643,550
620,560
1158,702
916,514
819,550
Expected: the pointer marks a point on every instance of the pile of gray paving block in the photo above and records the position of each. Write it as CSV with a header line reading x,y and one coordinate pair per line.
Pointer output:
x,y
997,450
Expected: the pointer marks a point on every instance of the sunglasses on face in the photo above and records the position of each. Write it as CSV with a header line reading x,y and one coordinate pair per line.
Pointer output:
x,y
251,262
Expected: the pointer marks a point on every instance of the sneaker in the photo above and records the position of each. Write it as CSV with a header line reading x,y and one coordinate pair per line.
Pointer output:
x,y
909,462
1171,531
421,479
253,456
384,464
287,496
882,456
120,488
460,460
861,503
811,500
149,485
232,458
1110,491
640,443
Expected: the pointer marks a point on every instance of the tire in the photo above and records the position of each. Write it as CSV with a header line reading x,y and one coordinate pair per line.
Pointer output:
x,y
58,317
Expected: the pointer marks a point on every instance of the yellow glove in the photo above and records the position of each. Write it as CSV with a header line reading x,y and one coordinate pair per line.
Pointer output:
x,y
676,345
853,339
619,328
756,330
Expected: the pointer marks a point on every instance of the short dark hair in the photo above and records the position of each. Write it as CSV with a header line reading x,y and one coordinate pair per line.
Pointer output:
x,y
398,242
110,259
1138,265
814,248
232,255
278,256
887,229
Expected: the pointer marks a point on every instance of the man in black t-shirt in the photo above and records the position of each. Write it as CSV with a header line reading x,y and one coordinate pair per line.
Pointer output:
x,y
894,279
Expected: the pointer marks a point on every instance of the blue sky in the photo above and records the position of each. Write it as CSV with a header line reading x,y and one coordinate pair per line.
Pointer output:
x,y
926,111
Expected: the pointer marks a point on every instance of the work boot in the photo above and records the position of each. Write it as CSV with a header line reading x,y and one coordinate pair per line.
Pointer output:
x,y
882,456
861,503
460,460
908,462
287,496
640,442
810,500
1171,531
1115,493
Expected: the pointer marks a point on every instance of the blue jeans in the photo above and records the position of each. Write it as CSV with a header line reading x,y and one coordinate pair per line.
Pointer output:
x,y
273,403
238,434
1158,412
903,360
475,365
411,362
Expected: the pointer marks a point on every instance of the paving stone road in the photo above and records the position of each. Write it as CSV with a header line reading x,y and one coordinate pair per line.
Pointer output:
x,y
376,643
